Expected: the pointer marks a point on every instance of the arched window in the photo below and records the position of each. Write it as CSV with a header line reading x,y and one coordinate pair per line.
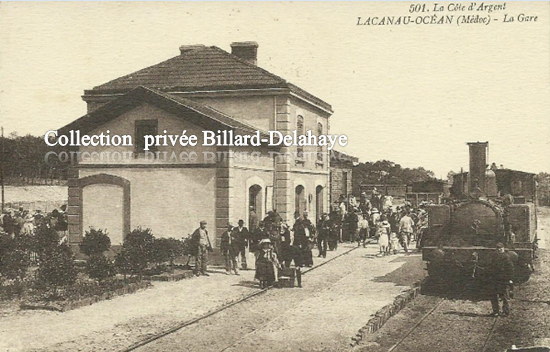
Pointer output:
x,y
299,132
319,147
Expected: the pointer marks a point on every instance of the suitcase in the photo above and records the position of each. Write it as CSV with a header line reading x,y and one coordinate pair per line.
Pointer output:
x,y
287,277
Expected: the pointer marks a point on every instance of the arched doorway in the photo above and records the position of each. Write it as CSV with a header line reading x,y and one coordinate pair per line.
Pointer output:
x,y
105,204
319,201
300,202
255,202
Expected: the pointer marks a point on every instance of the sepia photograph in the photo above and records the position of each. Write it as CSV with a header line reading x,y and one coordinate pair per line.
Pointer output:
x,y
275,176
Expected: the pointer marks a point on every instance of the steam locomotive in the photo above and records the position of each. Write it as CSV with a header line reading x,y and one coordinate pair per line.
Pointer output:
x,y
488,206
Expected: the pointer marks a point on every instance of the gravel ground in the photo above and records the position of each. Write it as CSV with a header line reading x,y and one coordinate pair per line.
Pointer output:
x,y
118,323
336,301
464,324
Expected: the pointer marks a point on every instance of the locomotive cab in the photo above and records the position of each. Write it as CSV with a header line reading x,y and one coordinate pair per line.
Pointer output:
x,y
462,238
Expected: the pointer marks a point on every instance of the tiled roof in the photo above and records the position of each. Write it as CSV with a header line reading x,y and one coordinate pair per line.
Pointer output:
x,y
336,156
204,68
196,112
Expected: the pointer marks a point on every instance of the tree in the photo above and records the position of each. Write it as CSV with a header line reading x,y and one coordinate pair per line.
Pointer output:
x,y
387,172
94,244
14,258
56,268
136,252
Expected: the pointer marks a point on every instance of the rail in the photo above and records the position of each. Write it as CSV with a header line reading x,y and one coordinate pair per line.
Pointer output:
x,y
218,310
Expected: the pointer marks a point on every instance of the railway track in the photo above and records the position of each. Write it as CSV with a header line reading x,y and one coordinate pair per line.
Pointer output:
x,y
435,314
194,321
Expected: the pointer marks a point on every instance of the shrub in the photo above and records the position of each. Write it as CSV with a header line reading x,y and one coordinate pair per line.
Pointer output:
x,y
56,267
136,252
14,258
99,268
122,263
95,242
188,246
45,239
166,250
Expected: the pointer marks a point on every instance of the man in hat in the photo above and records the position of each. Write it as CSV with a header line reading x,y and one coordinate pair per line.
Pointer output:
x,y
406,229
303,234
242,235
203,245
502,273
323,229
229,247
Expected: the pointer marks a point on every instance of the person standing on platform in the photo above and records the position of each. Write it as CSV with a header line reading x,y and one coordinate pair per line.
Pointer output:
x,y
406,229
323,230
243,235
203,246
230,249
303,234
256,237
502,273
363,230
253,220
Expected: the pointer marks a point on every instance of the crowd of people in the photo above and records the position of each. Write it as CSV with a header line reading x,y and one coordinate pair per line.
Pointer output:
x,y
16,222
277,245
376,218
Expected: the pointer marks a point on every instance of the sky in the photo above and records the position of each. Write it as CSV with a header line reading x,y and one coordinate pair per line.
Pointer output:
x,y
410,94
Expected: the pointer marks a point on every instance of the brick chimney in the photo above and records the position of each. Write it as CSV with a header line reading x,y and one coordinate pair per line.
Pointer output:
x,y
248,51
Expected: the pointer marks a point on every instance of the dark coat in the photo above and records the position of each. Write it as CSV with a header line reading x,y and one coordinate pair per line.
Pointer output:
x,y
242,236
230,243
299,228
502,268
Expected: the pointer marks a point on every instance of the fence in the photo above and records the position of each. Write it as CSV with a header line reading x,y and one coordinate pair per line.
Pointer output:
x,y
33,181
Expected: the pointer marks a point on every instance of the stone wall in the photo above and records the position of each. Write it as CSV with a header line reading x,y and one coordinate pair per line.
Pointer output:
x,y
338,185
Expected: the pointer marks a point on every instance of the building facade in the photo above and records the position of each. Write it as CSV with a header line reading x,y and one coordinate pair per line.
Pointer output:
x,y
341,168
171,188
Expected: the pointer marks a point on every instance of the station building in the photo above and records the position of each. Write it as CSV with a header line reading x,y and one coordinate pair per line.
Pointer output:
x,y
202,88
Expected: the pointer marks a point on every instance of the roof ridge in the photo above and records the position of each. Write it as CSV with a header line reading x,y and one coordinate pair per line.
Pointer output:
x,y
181,100
256,67
138,71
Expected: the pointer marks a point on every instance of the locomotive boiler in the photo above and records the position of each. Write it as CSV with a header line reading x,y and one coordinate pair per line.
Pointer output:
x,y
461,236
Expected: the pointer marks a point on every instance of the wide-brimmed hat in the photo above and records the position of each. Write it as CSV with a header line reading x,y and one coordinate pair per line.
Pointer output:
x,y
374,210
265,241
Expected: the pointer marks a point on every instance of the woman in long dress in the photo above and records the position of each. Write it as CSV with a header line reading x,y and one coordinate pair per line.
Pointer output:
x,y
384,236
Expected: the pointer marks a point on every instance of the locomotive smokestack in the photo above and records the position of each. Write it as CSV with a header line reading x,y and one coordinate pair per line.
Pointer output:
x,y
478,164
